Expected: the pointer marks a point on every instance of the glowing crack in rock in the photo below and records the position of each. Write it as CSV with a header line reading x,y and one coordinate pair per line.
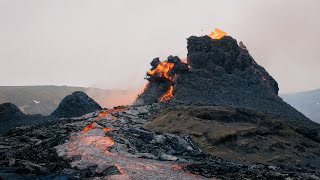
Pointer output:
x,y
108,113
91,148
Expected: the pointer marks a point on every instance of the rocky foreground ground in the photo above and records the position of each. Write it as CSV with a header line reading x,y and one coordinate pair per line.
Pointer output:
x,y
145,143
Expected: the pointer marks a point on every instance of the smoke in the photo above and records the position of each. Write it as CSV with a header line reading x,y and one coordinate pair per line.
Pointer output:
x,y
283,37
78,43
111,98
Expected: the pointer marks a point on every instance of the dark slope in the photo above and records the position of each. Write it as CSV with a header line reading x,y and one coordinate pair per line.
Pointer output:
x,y
239,135
49,97
11,116
75,105
224,73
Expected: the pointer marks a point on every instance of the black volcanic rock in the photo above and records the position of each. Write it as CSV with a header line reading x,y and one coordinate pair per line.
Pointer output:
x,y
9,111
11,116
159,84
224,73
75,105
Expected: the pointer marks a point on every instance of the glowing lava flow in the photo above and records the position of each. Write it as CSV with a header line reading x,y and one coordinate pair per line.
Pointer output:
x,y
91,146
110,111
168,95
162,70
217,34
94,125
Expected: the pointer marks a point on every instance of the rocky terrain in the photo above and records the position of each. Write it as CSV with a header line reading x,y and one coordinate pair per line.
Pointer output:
x,y
218,116
11,116
74,105
239,134
119,144
221,72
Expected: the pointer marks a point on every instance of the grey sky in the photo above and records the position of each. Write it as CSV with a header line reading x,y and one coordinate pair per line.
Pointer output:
x,y
109,44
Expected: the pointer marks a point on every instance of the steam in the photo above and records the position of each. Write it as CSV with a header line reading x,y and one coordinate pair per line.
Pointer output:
x,y
283,36
111,41
111,98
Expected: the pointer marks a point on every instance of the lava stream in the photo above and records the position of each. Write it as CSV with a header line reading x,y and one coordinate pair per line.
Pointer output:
x,y
167,95
91,145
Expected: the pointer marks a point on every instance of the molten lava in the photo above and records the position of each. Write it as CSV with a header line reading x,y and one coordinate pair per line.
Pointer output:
x,y
110,111
168,95
94,125
162,70
217,34
89,127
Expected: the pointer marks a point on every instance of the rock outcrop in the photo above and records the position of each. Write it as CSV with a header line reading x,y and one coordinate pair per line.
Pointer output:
x,y
75,105
9,112
239,135
224,73
11,116
117,146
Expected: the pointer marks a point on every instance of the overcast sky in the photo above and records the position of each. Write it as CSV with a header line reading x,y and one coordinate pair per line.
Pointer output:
x,y
109,44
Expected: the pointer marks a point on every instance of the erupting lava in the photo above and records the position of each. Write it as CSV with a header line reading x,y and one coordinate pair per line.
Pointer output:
x,y
162,70
217,34
168,95
165,73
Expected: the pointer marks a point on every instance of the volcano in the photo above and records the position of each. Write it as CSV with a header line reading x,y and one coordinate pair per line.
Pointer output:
x,y
221,72
216,114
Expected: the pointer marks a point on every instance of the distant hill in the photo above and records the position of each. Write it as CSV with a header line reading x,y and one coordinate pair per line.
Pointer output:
x,y
306,102
45,99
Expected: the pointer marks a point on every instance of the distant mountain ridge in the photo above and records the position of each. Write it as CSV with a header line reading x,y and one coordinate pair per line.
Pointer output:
x,y
45,99
307,102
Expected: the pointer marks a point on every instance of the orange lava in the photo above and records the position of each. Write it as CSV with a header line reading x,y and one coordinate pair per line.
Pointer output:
x,y
94,125
106,129
109,111
217,34
168,95
98,141
162,70
89,127
93,146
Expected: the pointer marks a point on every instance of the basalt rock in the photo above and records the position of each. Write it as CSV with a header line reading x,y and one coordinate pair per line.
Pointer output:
x,y
11,116
158,85
239,134
9,111
75,105
127,150
224,73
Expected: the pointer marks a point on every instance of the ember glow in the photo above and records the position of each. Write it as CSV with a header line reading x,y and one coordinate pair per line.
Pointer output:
x,y
94,125
92,145
217,34
168,95
110,111
162,70
89,127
